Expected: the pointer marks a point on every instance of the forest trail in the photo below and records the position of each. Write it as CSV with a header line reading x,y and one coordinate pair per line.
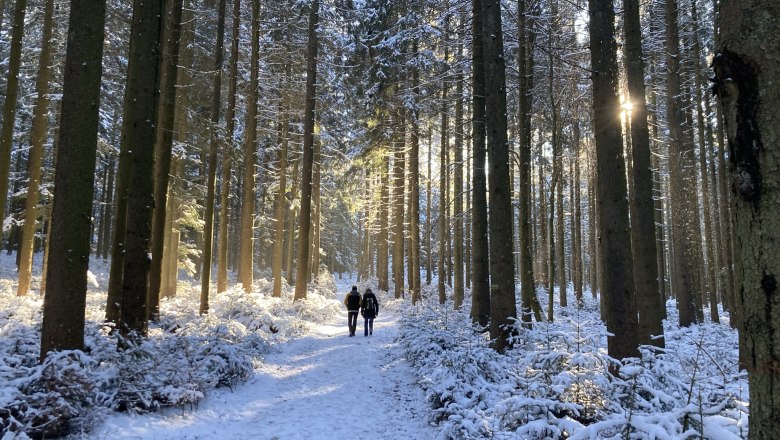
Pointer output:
x,y
326,385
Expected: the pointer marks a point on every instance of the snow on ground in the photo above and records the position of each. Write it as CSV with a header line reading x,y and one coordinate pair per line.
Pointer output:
x,y
324,385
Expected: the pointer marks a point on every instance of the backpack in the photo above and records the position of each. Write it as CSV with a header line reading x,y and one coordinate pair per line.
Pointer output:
x,y
353,301
369,305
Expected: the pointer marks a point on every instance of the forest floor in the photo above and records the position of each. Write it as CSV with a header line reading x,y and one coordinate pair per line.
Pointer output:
x,y
325,385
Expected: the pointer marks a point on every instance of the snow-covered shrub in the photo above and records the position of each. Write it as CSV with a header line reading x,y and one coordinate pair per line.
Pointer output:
x,y
45,400
183,357
555,381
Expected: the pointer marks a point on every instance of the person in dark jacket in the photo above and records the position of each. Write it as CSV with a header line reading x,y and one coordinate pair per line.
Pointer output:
x,y
369,309
352,301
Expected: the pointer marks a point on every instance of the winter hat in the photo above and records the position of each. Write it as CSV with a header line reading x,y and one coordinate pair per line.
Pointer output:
x,y
354,287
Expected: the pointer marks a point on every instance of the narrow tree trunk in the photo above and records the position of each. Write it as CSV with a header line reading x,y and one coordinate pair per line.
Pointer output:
x,y
641,203
399,171
35,158
414,189
316,207
211,184
525,69
163,145
705,181
308,152
680,161
443,190
560,222
428,212
382,247
227,160
457,195
281,204
246,256
109,208
9,105
291,228
480,289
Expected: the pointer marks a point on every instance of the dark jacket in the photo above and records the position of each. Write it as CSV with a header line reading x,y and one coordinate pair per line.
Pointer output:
x,y
352,301
366,310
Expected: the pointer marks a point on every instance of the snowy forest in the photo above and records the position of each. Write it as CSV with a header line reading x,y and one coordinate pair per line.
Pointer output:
x,y
564,207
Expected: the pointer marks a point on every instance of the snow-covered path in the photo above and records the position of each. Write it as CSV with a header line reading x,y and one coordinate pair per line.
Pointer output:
x,y
326,385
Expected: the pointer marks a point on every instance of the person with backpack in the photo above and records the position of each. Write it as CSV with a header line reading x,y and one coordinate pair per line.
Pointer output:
x,y
369,309
352,301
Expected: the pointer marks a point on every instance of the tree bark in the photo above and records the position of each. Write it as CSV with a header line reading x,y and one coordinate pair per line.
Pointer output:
x,y
65,299
9,105
480,289
35,158
211,184
227,159
281,204
382,246
746,73
246,256
414,187
680,171
443,192
502,281
457,192
163,145
399,171
642,206
308,152
612,203
140,114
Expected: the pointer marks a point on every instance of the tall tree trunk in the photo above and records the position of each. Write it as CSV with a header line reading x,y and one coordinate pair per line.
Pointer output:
x,y
443,191
163,145
384,207
211,184
65,299
680,169
614,238
544,250
560,222
291,228
641,203
399,171
457,194
577,267
140,116
246,256
281,203
9,105
705,181
316,201
414,188
109,208
746,75
502,279
35,158
308,152
428,212
480,289
227,160
525,69
180,132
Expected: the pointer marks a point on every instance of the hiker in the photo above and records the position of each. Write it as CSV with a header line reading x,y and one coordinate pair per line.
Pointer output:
x,y
352,301
369,309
